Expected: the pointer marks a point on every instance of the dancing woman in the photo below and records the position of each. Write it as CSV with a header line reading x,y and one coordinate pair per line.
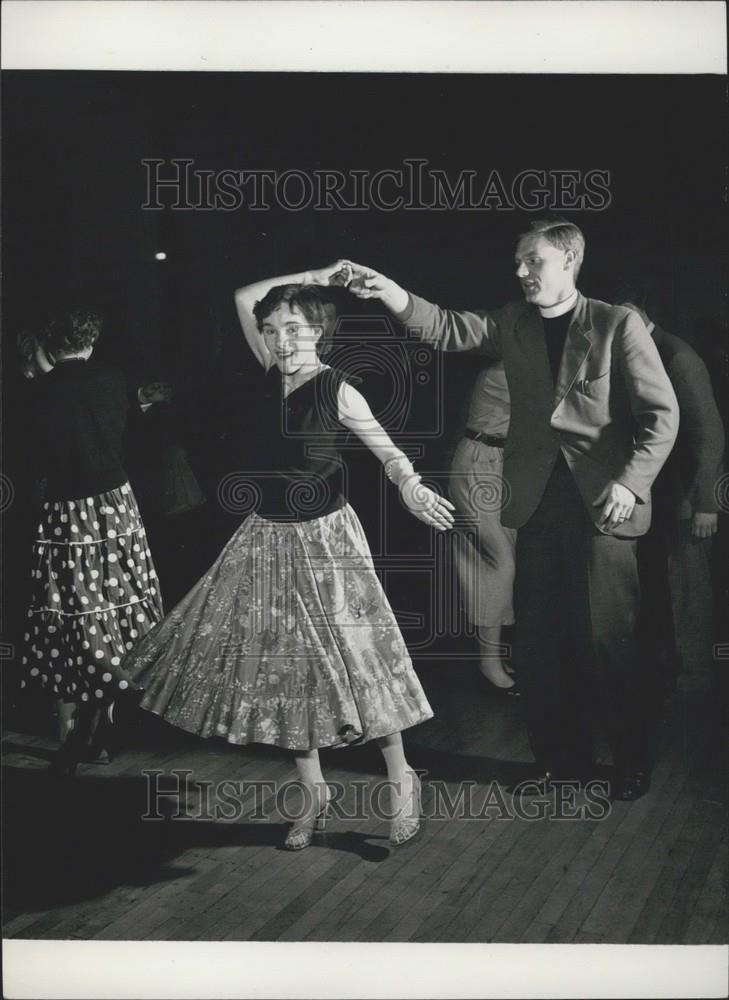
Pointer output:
x,y
289,639
94,588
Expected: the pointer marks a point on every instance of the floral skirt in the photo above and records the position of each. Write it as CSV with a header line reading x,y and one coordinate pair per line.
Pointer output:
x,y
288,640
94,594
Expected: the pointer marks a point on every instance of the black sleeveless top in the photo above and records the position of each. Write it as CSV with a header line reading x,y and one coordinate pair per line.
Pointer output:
x,y
300,473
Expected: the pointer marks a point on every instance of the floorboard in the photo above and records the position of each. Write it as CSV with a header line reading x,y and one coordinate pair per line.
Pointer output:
x,y
86,864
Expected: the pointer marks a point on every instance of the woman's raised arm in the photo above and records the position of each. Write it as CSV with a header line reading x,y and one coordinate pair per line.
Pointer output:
x,y
247,297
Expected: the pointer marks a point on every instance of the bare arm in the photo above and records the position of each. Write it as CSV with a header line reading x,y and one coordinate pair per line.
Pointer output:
x,y
424,503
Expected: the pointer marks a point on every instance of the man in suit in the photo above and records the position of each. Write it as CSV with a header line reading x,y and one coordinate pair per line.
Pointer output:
x,y
678,548
593,419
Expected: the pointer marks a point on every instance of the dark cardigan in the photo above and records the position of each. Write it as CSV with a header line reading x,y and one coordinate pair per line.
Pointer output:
x,y
78,415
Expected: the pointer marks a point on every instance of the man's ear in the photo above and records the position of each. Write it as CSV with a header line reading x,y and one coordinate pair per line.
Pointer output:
x,y
570,257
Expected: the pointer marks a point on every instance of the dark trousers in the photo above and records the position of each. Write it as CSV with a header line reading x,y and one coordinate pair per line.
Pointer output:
x,y
576,602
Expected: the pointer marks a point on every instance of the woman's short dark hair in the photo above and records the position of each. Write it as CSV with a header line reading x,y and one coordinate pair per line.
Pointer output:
x,y
73,332
308,300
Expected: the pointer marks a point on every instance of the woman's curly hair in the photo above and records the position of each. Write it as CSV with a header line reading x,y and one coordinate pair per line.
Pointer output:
x,y
73,332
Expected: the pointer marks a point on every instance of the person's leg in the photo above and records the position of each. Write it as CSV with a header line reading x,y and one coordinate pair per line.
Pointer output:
x,y
656,630
316,796
539,644
405,794
689,572
484,552
73,731
393,752
580,669
543,621
613,607
308,766
491,662
67,718
85,734
98,737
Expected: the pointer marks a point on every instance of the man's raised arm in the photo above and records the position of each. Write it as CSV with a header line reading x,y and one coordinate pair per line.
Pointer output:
x,y
445,329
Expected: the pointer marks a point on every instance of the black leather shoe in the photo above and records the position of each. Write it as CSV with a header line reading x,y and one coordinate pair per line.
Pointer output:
x,y
496,692
629,786
490,689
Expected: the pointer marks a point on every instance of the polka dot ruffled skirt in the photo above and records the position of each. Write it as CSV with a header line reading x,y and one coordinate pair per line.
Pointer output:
x,y
95,593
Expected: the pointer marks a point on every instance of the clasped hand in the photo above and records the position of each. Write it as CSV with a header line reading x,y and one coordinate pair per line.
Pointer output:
x,y
361,281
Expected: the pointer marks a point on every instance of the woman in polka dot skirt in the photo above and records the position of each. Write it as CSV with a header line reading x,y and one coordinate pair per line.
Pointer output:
x,y
94,588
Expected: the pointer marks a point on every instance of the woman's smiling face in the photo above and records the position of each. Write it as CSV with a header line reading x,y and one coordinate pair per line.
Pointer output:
x,y
291,339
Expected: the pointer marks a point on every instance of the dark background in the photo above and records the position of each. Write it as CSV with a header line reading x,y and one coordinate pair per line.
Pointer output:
x,y
74,231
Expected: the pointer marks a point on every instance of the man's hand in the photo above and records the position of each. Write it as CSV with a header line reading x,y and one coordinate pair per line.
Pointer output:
x,y
704,525
365,283
618,503
329,275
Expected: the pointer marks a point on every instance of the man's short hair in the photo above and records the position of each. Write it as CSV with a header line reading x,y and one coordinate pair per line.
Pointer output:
x,y
561,234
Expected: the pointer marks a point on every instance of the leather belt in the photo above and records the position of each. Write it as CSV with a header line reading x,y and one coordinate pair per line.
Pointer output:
x,y
494,442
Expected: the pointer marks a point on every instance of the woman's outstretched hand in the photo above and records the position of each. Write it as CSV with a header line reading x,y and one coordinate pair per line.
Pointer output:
x,y
426,504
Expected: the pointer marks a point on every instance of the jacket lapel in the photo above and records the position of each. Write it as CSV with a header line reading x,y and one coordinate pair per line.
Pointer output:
x,y
577,346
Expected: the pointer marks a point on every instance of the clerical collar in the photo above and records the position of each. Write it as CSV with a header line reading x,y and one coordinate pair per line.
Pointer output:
x,y
551,312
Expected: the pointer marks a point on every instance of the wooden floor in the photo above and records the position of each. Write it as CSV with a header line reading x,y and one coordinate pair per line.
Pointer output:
x,y
81,863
